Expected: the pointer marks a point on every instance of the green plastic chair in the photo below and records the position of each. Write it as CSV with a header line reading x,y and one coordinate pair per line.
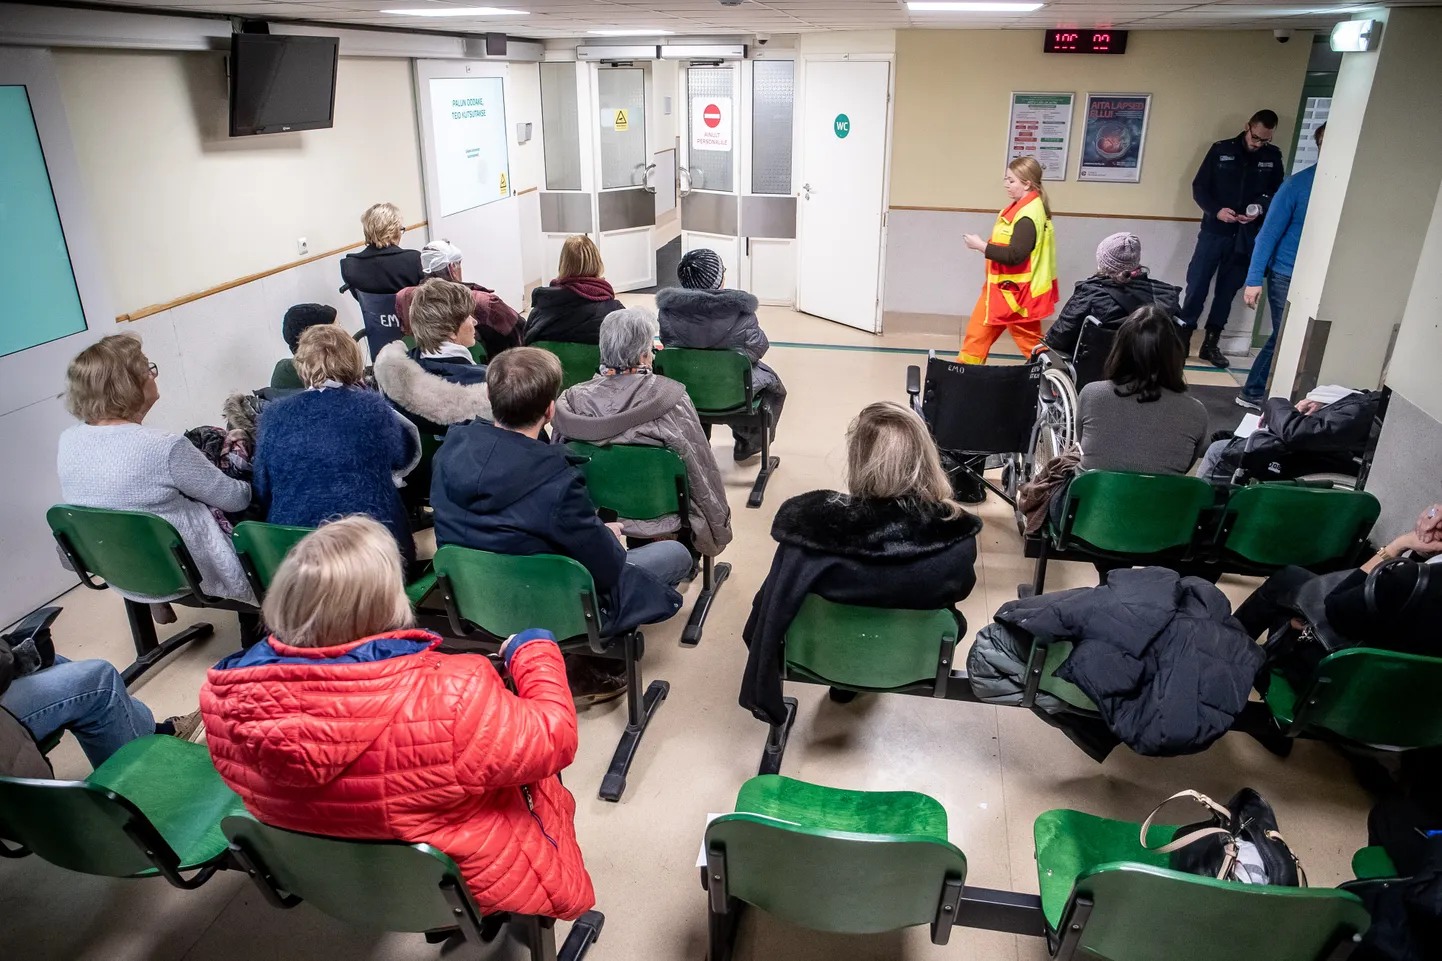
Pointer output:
x,y
643,483
263,546
719,385
1268,526
152,809
1381,699
1105,896
1128,516
490,596
142,554
579,362
846,862
1369,864
386,885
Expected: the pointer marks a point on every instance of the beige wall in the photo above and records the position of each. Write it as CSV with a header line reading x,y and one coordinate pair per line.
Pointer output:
x,y
180,207
953,97
1413,370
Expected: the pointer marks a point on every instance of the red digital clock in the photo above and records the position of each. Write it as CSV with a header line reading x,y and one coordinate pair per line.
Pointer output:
x,y
1084,41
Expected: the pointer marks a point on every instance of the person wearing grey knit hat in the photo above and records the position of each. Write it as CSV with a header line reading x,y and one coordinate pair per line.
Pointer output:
x,y
1120,255
701,269
1109,296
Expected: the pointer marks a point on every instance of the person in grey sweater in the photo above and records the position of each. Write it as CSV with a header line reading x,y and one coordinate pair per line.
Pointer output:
x,y
111,461
1140,417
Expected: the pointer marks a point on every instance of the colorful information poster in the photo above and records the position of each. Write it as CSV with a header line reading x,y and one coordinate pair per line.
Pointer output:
x,y
469,119
1041,128
1113,137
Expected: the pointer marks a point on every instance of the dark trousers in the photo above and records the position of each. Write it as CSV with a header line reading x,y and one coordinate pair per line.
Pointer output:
x,y
1278,285
1215,256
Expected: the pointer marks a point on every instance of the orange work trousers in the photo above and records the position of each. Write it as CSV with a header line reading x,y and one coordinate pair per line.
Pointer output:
x,y
980,335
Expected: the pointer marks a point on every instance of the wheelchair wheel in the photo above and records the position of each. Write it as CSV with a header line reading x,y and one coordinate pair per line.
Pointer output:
x,y
1057,420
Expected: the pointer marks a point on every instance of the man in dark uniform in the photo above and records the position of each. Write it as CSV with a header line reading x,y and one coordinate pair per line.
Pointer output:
x,y
1238,174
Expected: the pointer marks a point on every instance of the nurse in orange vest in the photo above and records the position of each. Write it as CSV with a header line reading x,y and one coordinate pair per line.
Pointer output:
x,y
1021,286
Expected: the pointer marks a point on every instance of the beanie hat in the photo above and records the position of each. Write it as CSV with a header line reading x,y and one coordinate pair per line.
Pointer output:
x,y
1119,254
700,270
439,254
302,316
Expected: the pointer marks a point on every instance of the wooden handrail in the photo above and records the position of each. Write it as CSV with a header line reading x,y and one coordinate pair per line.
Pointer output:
x,y
249,278
1059,213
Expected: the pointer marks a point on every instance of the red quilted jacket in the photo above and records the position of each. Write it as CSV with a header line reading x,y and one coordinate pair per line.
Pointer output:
x,y
388,738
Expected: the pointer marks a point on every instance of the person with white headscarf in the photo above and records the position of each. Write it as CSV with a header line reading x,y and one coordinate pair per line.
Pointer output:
x,y
498,327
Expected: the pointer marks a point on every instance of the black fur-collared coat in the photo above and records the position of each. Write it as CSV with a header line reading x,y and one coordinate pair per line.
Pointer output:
x,y
863,551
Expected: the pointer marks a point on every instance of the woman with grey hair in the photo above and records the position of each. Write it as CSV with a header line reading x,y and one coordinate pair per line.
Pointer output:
x,y
626,403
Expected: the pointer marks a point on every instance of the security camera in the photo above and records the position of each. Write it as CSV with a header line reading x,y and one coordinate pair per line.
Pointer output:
x,y
763,38
1282,36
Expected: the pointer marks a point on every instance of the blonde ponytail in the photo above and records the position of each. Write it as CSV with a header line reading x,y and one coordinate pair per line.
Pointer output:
x,y
1028,170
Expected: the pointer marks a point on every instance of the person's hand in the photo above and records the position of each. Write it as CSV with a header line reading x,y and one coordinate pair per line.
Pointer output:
x,y
1227,215
974,241
1308,407
615,528
505,651
1429,528
1251,296
1412,541
1245,218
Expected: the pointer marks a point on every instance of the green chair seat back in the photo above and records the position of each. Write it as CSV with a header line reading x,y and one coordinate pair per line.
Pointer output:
x,y
852,862
386,885
1374,697
131,550
265,545
1056,654
715,379
1371,863
866,648
503,594
1281,524
578,361
635,481
1126,513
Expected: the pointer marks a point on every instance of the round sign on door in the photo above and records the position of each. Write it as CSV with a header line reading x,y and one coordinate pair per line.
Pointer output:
x,y
843,125
710,123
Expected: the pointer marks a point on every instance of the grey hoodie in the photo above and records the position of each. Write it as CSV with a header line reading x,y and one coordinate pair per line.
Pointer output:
x,y
654,411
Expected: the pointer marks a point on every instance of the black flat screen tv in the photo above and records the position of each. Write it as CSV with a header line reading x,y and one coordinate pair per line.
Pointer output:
x,y
281,83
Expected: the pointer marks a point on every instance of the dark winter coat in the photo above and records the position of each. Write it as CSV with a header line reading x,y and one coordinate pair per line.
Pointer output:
x,y
862,551
496,490
559,313
1161,655
1233,176
1332,437
1110,302
382,270
715,320
430,401
457,370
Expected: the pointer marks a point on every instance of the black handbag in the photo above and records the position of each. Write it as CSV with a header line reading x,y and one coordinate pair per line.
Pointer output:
x,y
31,648
1310,600
1238,842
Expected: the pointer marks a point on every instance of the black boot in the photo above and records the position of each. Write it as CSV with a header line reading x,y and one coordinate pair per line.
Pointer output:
x,y
1185,333
1211,353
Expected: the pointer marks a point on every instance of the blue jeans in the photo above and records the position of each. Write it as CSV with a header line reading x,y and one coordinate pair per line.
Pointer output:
x,y
1256,386
668,561
1215,255
88,697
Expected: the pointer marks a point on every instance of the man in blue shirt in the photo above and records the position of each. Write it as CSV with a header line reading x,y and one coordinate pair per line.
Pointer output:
x,y
1274,256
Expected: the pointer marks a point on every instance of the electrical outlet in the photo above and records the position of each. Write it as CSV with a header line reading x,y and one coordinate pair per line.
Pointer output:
x,y
302,246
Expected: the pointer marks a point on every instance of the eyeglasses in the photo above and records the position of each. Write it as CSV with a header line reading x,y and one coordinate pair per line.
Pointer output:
x,y
154,370
1259,141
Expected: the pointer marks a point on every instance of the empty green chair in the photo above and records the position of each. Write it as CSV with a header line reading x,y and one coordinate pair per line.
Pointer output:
x,y
153,809
141,554
387,886
644,483
719,385
263,546
1268,526
846,862
1380,699
579,362
488,597
1105,896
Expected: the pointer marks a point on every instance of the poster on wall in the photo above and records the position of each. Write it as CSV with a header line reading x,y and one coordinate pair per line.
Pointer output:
x,y
1114,134
468,116
711,123
1041,128
1314,114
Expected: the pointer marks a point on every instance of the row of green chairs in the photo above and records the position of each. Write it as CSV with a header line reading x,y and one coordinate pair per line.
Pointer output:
x,y
1170,519
860,862
262,546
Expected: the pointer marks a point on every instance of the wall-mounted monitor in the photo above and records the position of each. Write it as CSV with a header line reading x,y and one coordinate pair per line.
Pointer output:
x,y
281,83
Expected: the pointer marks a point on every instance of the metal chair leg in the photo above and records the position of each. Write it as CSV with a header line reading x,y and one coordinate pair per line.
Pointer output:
x,y
639,712
768,464
776,739
712,577
585,931
149,650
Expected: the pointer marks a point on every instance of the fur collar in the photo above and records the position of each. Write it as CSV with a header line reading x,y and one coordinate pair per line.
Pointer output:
x,y
833,523
706,304
406,383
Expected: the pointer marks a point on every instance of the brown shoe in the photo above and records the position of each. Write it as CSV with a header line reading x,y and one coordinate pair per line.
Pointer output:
x,y
162,613
594,680
187,727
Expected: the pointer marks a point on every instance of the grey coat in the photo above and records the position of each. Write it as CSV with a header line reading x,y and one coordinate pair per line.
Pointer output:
x,y
996,667
715,320
650,410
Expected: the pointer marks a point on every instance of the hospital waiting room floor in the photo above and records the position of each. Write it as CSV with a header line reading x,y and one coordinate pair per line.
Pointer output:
x,y
994,769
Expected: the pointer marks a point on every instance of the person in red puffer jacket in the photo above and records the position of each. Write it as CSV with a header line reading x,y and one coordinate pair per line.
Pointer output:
x,y
344,722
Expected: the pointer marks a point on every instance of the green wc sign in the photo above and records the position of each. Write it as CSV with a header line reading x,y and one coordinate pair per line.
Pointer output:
x,y
842,125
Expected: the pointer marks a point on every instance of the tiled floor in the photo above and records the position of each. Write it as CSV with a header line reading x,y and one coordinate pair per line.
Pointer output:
x,y
995,769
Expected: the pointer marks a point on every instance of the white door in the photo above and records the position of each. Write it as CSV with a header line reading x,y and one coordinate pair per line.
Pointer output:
x,y
625,203
710,164
843,181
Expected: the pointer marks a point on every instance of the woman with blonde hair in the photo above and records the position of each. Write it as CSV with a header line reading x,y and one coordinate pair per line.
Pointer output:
x,y
383,266
347,722
1021,286
570,309
335,448
896,539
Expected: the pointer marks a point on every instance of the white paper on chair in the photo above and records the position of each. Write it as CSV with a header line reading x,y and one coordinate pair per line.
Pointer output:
x,y
1248,426
701,858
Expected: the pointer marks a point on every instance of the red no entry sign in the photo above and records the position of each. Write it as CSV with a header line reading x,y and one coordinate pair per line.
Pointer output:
x,y
711,116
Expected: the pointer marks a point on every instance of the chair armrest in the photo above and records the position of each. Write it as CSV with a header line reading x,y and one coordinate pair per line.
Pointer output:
x,y
1034,664
913,380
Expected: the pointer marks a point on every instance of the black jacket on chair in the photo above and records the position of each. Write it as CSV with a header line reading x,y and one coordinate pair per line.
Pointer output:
x,y
1110,302
862,551
382,270
560,314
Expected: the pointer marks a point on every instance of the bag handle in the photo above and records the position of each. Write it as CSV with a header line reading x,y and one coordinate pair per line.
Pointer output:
x,y
1176,844
1301,872
1419,584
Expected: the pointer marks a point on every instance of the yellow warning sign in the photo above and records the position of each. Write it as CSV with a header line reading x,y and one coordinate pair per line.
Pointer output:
x,y
621,123
504,191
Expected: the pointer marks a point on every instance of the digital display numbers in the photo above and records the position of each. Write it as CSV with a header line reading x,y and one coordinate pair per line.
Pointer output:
x,y
1085,41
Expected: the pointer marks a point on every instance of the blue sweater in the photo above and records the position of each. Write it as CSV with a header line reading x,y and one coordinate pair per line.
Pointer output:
x,y
1276,246
327,453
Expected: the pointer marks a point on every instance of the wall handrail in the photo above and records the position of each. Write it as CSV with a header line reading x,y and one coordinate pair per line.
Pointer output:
x,y
1058,213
